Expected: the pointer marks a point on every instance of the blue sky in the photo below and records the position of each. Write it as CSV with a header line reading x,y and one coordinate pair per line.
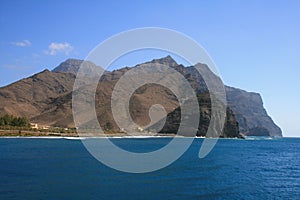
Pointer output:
x,y
255,44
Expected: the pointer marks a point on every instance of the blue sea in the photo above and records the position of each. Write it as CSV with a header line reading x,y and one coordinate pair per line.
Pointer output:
x,y
39,168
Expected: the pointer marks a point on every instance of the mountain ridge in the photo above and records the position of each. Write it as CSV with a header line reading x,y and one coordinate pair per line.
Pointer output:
x,y
50,91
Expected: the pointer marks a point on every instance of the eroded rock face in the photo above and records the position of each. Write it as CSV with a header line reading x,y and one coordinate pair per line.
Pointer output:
x,y
173,120
246,106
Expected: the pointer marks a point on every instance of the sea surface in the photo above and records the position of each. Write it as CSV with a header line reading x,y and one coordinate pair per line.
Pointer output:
x,y
40,168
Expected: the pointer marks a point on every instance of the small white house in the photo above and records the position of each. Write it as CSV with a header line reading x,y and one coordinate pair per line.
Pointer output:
x,y
34,125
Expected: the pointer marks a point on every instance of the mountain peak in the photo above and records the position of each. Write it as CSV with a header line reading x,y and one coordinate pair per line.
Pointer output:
x,y
71,65
168,60
72,61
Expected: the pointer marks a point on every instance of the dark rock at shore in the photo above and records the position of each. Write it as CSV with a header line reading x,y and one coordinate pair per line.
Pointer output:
x,y
257,131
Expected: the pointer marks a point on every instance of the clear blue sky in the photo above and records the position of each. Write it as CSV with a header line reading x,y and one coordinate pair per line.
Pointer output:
x,y
255,44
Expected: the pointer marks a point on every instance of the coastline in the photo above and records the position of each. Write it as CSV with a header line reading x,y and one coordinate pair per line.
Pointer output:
x,y
37,134
76,136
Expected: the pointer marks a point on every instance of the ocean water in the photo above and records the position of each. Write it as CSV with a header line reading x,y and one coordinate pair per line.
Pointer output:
x,y
235,169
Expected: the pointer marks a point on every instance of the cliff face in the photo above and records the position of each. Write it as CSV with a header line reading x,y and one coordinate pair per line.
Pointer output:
x,y
250,113
173,119
246,106
46,98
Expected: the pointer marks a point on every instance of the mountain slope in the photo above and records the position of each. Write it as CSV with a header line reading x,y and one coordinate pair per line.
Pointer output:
x,y
46,98
28,97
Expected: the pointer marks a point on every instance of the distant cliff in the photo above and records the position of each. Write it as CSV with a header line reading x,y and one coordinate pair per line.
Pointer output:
x,y
250,113
247,107
46,98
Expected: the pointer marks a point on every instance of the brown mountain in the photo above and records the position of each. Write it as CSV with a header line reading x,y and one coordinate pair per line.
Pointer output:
x,y
46,98
30,96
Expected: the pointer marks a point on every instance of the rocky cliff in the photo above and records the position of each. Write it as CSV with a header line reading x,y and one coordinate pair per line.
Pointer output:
x,y
250,113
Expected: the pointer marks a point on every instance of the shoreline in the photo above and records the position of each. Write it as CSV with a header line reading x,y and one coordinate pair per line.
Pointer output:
x,y
37,134
109,137
132,137
76,136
